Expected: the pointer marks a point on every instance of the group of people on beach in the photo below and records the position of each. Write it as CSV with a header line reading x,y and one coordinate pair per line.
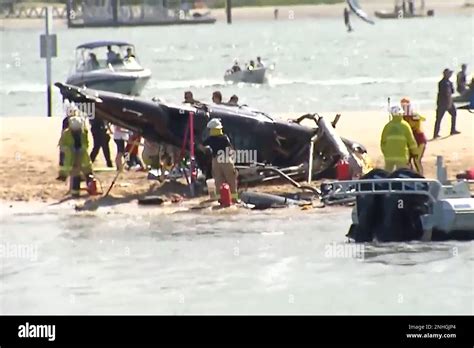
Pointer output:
x,y
403,142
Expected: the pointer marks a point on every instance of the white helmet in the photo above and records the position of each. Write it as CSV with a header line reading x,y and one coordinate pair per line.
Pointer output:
x,y
75,123
395,110
215,123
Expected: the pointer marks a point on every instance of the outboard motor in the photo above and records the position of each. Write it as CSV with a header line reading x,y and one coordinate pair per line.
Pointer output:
x,y
369,212
389,217
401,212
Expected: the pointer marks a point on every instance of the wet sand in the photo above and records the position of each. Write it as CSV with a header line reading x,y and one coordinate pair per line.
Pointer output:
x,y
29,156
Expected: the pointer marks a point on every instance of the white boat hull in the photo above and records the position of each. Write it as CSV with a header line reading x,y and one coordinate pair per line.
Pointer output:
x,y
124,82
247,76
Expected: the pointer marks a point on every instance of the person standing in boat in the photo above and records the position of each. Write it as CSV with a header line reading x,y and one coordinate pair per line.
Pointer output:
x,y
260,64
414,120
236,67
397,142
445,103
111,55
461,80
347,20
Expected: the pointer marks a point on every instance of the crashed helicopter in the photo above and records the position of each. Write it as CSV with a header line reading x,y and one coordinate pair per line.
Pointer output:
x,y
283,148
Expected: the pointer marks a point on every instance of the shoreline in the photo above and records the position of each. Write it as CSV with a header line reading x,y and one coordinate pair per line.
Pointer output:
x,y
29,156
286,13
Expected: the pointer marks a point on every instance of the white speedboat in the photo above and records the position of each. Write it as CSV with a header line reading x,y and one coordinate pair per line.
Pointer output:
x,y
247,76
106,66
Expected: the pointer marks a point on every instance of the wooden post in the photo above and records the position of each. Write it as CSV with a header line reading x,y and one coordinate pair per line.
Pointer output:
x,y
48,29
228,10
115,7
191,151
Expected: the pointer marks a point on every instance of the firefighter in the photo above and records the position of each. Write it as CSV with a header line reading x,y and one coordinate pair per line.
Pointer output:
x,y
414,120
397,142
74,144
223,168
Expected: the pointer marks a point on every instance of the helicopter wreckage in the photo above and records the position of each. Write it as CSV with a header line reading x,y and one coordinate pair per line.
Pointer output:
x,y
285,150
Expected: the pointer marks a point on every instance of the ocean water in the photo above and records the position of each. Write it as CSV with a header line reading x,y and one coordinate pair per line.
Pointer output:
x,y
318,65
138,261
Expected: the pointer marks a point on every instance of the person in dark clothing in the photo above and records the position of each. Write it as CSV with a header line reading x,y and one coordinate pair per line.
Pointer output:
x,y
445,103
461,80
411,6
223,168
347,20
101,140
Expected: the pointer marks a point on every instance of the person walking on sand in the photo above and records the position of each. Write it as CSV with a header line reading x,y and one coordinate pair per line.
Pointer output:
x,y
223,168
397,142
445,103
74,143
101,140
120,137
461,80
414,120
347,20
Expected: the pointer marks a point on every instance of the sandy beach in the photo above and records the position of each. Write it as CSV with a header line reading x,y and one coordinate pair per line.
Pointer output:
x,y
29,155
293,12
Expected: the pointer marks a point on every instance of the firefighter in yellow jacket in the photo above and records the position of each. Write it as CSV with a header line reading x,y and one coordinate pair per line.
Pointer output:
x,y
398,143
74,143
415,120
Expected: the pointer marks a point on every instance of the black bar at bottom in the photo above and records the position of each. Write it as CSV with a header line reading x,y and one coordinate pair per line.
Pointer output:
x,y
136,330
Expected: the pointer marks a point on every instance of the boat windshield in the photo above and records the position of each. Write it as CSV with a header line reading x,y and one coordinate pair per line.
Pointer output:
x,y
107,57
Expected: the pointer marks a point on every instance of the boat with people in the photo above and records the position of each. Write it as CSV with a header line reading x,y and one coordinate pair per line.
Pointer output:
x,y
109,66
254,72
247,76
404,206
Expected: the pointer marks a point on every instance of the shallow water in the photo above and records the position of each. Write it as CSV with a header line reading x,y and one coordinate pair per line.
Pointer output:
x,y
282,261
319,67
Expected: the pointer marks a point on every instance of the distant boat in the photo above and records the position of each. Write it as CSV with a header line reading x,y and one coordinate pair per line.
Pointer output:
x,y
113,13
247,76
120,75
401,11
400,15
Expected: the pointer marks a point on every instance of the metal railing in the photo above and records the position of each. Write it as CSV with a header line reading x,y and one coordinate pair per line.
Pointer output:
x,y
427,187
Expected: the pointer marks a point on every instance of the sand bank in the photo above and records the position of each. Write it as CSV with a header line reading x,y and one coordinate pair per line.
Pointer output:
x,y
293,12
29,154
